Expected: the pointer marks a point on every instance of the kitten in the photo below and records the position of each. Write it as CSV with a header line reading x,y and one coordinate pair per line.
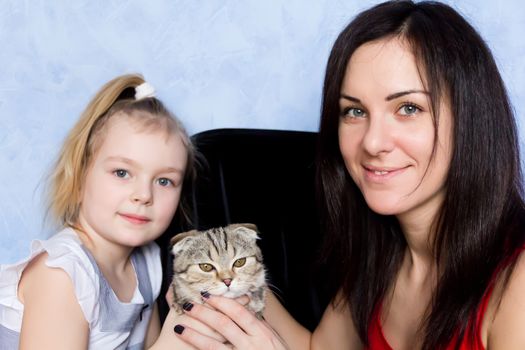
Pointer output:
x,y
221,261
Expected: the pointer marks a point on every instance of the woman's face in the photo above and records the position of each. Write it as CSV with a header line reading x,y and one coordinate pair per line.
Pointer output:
x,y
387,134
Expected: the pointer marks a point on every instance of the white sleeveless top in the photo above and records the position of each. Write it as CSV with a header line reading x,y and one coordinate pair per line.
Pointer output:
x,y
112,323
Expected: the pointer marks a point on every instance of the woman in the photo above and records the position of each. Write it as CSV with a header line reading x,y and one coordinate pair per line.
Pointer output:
x,y
421,190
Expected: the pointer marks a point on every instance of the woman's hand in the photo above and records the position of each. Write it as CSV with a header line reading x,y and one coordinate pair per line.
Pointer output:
x,y
168,339
233,321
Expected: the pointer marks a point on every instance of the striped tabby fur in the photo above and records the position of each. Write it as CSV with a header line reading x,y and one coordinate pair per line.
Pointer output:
x,y
221,261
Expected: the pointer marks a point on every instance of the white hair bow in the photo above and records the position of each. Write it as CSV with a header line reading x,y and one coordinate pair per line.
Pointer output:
x,y
144,90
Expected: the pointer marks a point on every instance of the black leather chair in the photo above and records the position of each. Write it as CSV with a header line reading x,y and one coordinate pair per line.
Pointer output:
x,y
265,177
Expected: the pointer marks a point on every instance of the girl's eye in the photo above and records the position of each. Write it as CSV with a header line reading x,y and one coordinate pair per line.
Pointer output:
x,y
353,112
206,267
239,262
165,182
409,109
121,173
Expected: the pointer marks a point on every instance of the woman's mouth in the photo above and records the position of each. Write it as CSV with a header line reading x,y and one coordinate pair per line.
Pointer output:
x,y
382,174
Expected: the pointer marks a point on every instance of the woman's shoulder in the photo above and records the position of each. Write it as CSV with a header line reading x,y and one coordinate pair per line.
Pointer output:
x,y
506,324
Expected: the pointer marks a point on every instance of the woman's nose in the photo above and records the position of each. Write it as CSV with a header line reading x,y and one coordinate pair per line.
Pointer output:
x,y
378,136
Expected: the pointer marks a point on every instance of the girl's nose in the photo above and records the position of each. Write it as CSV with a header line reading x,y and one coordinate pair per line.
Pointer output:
x,y
142,194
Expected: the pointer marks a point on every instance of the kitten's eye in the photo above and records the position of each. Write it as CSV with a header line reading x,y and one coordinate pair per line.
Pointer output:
x,y
239,262
206,267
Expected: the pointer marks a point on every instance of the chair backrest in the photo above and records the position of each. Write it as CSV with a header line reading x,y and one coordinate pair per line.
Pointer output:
x,y
264,177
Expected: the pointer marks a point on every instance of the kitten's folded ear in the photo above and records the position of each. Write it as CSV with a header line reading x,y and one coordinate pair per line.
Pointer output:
x,y
180,236
247,225
249,229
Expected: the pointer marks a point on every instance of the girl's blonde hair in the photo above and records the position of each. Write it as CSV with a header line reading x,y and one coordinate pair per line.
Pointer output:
x,y
117,97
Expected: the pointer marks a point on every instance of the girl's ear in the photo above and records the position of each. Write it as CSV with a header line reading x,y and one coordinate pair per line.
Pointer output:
x,y
174,246
249,230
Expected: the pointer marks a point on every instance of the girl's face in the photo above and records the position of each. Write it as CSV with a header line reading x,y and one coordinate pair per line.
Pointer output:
x,y
386,132
133,184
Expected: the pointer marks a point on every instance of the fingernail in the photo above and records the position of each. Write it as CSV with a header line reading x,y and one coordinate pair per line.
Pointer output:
x,y
205,294
178,329
187,306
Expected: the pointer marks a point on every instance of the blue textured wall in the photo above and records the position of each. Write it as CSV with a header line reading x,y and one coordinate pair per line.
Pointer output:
x,y
249,63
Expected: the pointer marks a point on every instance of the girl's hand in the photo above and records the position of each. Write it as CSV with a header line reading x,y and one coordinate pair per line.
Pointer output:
x,y
233,321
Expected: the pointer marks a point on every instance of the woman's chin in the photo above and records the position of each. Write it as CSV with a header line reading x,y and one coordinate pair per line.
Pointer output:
x,y
384,208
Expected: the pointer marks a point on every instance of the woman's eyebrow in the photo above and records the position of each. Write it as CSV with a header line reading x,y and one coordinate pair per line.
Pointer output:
x,y
389,97
403,93
350,98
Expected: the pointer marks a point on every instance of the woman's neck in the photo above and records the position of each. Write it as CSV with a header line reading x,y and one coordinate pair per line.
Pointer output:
x,y
419,227
420,262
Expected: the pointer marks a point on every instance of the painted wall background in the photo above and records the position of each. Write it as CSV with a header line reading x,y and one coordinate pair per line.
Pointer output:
x,y
250,63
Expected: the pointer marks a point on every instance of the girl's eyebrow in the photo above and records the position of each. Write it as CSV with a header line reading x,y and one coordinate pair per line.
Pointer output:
x,y
389,97
131,162
120,159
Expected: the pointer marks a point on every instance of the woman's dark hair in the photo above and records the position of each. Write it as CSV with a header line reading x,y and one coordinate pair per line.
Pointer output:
x,y
480,224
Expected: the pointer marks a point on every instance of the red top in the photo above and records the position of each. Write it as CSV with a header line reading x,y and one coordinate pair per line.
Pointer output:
x,y
377,341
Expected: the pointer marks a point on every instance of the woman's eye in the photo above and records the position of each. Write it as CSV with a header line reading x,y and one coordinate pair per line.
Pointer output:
x,y
353,112
165,182
121,173
206,267
239,262
409,109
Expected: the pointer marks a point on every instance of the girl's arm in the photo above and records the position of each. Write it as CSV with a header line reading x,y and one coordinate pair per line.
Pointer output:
x,y
52,317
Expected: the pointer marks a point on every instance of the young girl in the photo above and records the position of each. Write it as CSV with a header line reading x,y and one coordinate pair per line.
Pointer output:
x,y
422,197
115,188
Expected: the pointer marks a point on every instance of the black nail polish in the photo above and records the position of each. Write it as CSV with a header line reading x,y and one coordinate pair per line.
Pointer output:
x,y
178,329
205,294
187,306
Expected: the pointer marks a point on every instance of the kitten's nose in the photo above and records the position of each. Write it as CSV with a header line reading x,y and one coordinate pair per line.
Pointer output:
x,y
227,281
